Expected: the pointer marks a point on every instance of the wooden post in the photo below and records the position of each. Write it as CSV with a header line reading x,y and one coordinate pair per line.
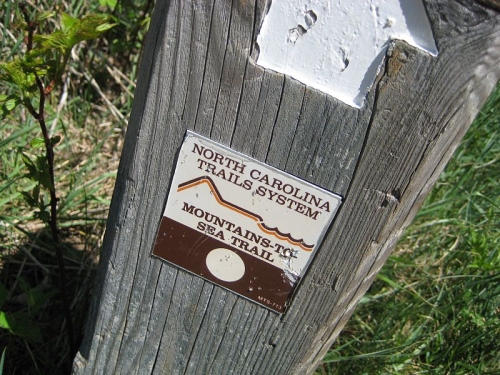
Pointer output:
x,y
198,72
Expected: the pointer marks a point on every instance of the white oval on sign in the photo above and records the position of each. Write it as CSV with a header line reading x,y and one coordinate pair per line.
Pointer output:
x,y
225,264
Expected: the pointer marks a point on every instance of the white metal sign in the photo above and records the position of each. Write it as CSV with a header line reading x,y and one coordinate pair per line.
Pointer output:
x,y
240,223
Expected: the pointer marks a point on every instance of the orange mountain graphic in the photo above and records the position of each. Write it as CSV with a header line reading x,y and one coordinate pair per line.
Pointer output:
x,y
258,219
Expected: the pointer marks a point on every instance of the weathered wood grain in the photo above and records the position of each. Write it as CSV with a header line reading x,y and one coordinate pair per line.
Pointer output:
x,y
196,73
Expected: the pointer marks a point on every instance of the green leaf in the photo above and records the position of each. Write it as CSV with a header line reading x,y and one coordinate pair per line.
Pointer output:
x,y
38,171
89,27
104,27
37,142
7,104
108,3
33,198
4,323
35,62
43,175
32,169
36,193
73,31
29,199
20,73
55,140
20,324
43,216
58,40
67,22
11,104
44,15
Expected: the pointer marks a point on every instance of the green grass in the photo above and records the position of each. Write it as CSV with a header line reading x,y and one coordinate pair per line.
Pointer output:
x,y
435,306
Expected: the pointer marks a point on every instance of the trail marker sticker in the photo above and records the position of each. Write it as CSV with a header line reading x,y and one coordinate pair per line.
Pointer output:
x,y
240,223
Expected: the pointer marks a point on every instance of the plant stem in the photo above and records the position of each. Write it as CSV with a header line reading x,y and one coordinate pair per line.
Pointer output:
x,y
40,117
